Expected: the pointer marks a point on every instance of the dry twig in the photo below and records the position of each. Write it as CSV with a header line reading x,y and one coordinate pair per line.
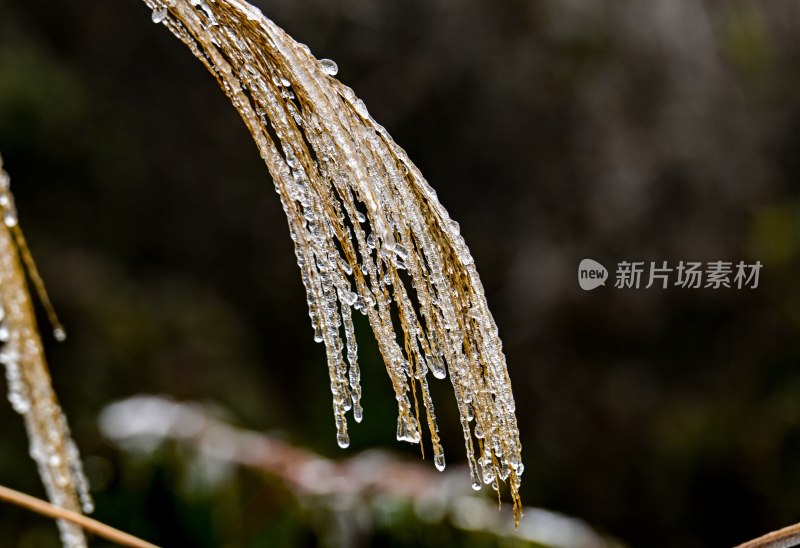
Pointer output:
x,y
49,510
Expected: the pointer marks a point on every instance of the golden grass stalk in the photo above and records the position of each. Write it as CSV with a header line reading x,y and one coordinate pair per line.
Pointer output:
x,y
73,518
370,235
30,390
782,538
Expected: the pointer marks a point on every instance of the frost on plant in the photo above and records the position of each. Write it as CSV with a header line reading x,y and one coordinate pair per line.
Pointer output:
x,y
370,236
29,388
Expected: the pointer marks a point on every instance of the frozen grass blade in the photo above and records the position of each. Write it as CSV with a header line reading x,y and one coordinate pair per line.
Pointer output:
x,y
370,235
29,387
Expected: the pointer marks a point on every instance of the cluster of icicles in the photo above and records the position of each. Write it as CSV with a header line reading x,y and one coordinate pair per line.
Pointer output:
x,y
370,236
29,388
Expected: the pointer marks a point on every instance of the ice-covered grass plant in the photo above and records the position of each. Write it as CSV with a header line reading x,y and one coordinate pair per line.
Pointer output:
x,y
29,388
370,236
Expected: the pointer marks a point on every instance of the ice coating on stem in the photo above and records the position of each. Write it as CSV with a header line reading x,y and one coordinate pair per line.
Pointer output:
x,y
30,391
369,234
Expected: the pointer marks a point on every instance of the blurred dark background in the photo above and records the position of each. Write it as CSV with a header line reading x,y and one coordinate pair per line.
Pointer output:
x,y
553,130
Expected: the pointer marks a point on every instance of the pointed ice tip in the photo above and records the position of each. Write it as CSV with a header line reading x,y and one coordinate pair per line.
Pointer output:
x,y
59,334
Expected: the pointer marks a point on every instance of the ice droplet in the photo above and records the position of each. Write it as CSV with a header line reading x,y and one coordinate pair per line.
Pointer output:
x,y
329,67
348,297
407,429
360,217
10,218
59,334
343,440
437,368
358,412
438,457
159,14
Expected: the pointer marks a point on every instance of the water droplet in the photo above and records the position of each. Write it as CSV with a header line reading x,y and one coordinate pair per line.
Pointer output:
x,y
59,334
159,14
343,440
329,67
360,217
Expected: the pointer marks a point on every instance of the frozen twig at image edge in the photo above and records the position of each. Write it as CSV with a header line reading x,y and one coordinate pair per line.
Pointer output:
x,y
29,387
370,235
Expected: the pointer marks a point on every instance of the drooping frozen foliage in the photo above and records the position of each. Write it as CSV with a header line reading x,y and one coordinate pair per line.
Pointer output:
x,y
370,235
29,388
